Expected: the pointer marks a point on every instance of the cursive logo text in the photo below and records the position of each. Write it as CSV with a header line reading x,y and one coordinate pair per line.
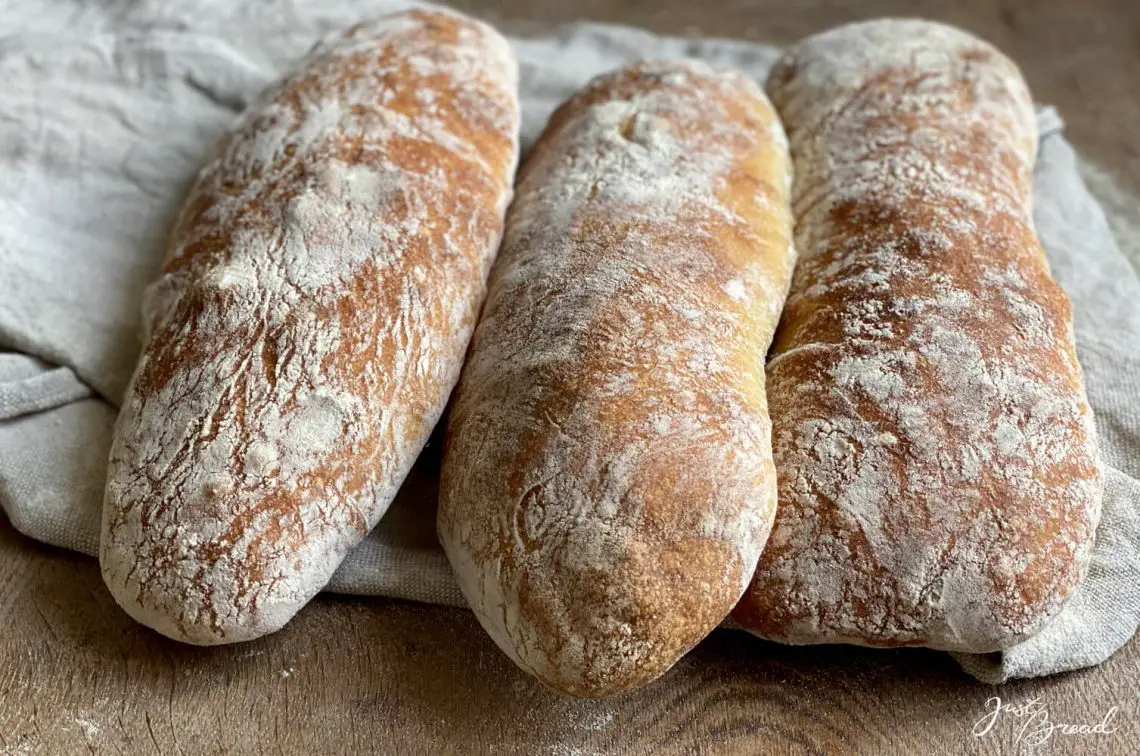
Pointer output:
x,y
1035,727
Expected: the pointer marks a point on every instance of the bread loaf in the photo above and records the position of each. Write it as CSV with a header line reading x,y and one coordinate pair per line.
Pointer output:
x,y
607,482
318,295
938,469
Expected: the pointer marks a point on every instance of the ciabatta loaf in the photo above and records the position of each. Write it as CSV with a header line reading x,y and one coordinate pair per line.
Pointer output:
x,y
938,470
318,295
607,480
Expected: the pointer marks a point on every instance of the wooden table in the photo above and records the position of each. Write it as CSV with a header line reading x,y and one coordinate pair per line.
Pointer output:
x,y
356,675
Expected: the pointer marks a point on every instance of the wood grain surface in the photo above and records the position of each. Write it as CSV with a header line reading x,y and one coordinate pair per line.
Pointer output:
x,y
369,675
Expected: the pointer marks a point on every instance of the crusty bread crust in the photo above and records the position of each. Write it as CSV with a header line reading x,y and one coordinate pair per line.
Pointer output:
x,y
319,292
607,481
939,481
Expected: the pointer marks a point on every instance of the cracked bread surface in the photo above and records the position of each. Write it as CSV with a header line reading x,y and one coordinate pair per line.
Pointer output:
x,y
318,295
607,480
938,469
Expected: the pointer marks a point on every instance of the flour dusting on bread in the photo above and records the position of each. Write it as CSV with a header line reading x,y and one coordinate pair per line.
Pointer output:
x,y
608,482
318,295
939,479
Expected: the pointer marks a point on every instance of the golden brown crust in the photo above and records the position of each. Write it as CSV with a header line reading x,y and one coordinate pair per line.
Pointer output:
x,y
607,482
318,295
939,481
